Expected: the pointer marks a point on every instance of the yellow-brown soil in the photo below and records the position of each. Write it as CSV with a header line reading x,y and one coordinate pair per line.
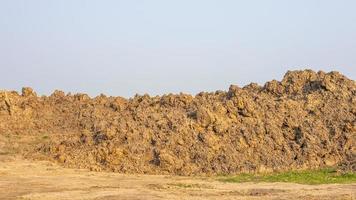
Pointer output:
x,y
307,120
42,180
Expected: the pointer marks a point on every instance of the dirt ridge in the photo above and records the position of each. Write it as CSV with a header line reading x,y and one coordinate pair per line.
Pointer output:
x,y
307,120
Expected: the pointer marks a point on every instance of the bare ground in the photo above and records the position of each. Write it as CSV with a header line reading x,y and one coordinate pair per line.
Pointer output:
x,y
306,121
36,180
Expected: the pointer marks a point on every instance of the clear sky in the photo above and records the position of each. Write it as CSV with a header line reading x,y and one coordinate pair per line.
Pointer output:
x,y
126,47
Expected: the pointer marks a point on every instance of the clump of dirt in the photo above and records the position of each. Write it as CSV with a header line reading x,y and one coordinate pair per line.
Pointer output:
x,y
305,121
348,165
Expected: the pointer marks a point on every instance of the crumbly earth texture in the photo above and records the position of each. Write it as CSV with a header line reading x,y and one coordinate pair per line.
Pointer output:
x,y
305,121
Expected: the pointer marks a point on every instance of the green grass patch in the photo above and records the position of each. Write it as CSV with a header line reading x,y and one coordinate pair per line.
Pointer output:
x,y
310,177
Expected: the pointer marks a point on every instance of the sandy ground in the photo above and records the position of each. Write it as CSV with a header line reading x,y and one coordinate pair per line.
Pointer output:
x,y
23,179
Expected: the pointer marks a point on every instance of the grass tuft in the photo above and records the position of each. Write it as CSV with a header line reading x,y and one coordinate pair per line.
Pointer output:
x,y
310,177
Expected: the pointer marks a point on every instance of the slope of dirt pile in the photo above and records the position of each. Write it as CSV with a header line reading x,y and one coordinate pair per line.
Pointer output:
x,y
307,120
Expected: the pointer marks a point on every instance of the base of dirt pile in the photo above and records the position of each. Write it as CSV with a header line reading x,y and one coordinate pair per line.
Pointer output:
x,y
34,180
305,121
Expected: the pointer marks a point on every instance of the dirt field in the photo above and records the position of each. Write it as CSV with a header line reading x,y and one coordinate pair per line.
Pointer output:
x,y
36,180
165,147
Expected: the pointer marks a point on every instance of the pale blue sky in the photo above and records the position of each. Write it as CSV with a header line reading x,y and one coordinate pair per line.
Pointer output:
x,y
159,46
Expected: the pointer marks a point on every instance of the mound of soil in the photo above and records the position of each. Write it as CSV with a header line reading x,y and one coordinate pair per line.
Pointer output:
x,y
307,120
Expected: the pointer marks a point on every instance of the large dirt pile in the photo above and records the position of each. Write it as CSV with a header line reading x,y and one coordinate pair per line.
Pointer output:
x,y
308,120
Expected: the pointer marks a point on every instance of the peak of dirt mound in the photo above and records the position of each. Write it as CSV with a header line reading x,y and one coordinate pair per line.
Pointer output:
x,y
307,120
